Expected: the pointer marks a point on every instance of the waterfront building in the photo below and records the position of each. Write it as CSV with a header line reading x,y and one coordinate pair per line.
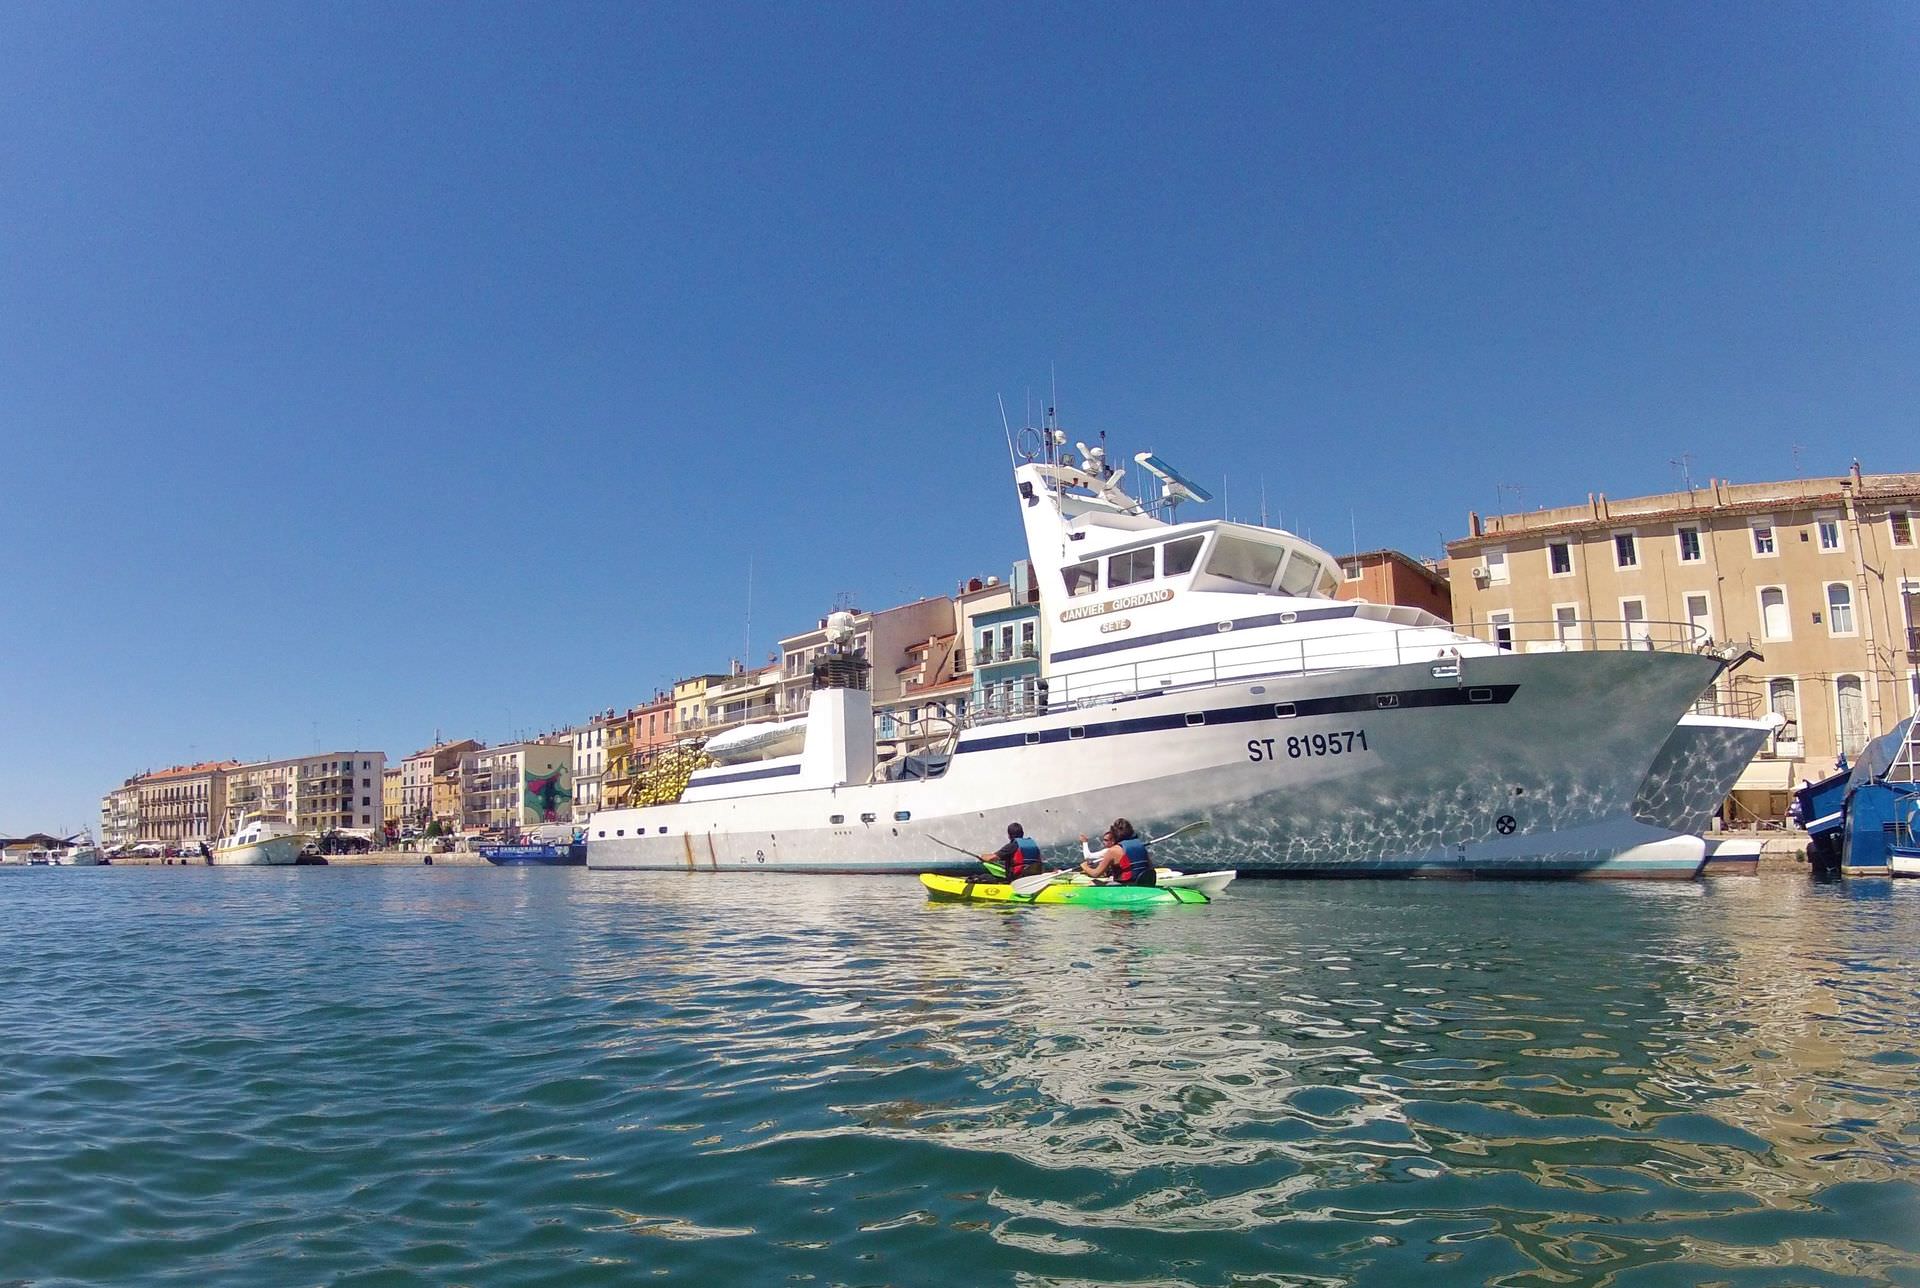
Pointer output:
x,y
1814,584
420,778
1006,639
120,814
326,792
743,696
1391,577
934,688
690,702
632,741
184,805
519,784
883,638
447,796
590,762
390,799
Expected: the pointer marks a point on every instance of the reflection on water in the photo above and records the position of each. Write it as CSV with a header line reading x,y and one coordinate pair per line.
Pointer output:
x,y
484,1075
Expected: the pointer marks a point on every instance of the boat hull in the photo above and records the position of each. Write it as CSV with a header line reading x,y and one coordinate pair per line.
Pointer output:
x,y
1520,765
542,856
276,851
942,887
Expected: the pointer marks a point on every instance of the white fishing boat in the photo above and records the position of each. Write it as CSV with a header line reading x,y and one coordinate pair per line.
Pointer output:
x,y
1204,670
259,840
79,852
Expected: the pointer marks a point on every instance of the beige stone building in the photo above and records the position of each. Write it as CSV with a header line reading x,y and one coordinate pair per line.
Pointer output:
x,y
421,777
326,792
1819,578
391,797
184,805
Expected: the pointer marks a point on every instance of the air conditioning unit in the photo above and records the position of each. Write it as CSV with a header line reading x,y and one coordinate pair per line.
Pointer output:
x,y
1480,573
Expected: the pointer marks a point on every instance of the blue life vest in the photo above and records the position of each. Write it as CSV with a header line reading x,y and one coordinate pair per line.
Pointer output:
x,y
1026,861
1134,866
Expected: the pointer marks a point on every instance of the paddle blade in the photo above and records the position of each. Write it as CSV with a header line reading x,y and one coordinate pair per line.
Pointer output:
x,y
1036,883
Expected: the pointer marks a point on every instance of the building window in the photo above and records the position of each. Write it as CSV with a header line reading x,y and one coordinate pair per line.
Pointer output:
x,y
1633,616
1352,569
1900,527
1625,555
1502,624
1559,559
1496,561
1566,625
1700,618
1774,622
1828,527
1763,546
1689,544
1783,700
1839,608
1850,708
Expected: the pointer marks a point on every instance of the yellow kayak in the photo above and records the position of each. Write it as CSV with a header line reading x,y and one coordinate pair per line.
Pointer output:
x,y
1093,896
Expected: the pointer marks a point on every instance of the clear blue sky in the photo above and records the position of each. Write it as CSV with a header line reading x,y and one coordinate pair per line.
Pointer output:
x,y
367,369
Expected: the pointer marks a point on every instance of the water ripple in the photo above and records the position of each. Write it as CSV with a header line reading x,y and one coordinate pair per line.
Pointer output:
x,y
473,1076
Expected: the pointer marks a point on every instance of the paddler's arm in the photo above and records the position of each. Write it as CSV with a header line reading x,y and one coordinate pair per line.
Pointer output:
x,y
1098,861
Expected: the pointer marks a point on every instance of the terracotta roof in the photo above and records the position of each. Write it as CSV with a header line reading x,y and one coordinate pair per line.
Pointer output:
x,y
188,771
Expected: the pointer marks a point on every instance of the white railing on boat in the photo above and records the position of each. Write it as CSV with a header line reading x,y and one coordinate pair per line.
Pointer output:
x,y
1440,645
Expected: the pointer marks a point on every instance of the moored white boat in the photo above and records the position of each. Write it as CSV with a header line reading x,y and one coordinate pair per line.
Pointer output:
x,y
1202,670
259,841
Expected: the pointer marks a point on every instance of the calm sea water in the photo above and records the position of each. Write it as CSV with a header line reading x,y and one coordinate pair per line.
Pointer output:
x,y
392,1076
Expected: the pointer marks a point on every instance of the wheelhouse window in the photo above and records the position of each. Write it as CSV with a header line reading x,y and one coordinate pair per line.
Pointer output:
x,y
1083,578
1689,544
1302,572
1129,567
1251,563
1180,556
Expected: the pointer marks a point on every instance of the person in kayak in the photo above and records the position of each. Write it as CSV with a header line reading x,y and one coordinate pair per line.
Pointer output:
x,y
1123,861
1019,857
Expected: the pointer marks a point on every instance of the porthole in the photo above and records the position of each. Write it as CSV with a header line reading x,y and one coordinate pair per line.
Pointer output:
x,y
1288,619
1479,695
1385,701
620,831
663,831
1077,731
901,815
1196,717
837,819
1257,690
1284,711
603,835
1223,627
1032,738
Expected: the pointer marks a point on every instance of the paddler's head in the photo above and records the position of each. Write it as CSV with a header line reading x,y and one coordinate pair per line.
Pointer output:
x,y
1015,831
1120,831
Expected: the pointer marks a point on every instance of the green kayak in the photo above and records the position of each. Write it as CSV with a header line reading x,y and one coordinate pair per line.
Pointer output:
x,y
1092,896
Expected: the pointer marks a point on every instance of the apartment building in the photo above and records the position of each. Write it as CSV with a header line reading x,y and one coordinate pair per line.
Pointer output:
x,y
519,784
326,792
184,805
883,638
1392,577
120,814
1818,578
422,779
391,809
590,762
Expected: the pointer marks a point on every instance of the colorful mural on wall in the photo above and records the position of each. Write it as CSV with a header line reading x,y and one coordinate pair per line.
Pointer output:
x,y
549,797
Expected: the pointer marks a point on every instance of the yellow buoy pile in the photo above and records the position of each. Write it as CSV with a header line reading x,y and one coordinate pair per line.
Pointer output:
x,y
663,778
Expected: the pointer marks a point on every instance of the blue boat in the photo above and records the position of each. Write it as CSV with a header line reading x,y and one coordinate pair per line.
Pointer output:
x,y
533,851
1862,820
